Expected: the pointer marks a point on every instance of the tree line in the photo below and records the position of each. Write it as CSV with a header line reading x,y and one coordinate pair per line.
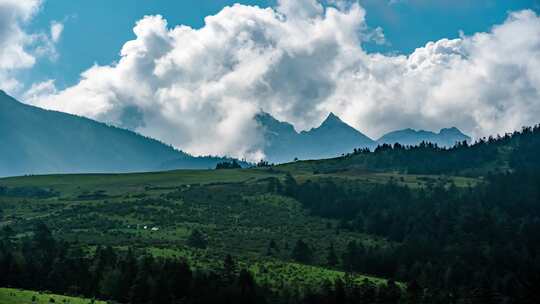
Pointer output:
x,y
40,262
452,241
495,152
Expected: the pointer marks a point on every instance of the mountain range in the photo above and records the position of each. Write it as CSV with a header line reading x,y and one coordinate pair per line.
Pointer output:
x,y
334,137
445,138
38,141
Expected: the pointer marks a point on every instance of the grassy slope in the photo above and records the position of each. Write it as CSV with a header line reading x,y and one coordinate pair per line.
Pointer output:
x,y
18,296
35,140
344,169
231,207
499,154
121,183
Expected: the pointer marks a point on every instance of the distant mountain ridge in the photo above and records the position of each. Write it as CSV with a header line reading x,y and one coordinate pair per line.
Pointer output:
x,y
447,137
335,137
332,138
38,141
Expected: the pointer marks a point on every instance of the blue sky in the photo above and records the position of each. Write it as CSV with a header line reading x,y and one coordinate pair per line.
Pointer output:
x,y
200,89
94,31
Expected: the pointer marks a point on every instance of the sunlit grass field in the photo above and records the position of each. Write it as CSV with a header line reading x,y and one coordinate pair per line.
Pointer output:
x,y
232,208
18,296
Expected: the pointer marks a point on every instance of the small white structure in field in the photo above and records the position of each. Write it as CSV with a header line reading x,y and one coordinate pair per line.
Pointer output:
x,y
145,227
155,229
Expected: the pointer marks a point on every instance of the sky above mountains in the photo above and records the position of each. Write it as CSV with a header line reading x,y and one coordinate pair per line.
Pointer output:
x,y
194,73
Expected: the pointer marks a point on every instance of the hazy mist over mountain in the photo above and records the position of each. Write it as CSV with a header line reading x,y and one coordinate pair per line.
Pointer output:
x,y
199,86
37,141
334,138
270,151
447,137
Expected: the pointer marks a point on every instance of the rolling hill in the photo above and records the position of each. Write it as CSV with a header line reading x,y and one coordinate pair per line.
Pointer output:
x,y
304,226
38,141
486,155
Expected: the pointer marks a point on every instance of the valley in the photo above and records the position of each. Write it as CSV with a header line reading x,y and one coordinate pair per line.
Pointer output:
x,y
381,221
233,209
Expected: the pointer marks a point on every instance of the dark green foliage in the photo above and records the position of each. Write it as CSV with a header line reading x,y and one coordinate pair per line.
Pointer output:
x,y
228,165
452,243
414,293
390,294
350,257
119,276
274,186
347,290
26,192
272,249
491,154
290,186
332,258
445,237
140,290
229,269
197,240
302,252
526,156
7,233
263,164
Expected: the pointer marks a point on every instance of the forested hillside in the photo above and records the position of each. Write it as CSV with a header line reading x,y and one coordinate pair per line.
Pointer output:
x,y
486,155
37,141
397,225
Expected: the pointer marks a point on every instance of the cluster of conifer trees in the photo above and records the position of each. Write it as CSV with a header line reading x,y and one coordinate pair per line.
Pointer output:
x,y
511,150
479,242
228,165
42,263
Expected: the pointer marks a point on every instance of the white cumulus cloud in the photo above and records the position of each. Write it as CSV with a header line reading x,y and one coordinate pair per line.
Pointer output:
x,y
19,49
198,89
56,31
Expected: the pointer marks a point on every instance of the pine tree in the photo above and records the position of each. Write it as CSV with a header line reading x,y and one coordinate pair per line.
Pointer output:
x,y
247,284
229,269
350,257
290,186
140,290
7,235
272,248
197,240
302,253
332,259
414,293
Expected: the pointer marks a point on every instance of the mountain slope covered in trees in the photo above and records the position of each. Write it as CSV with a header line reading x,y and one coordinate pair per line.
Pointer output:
x,y
37,141
486,155
291,233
